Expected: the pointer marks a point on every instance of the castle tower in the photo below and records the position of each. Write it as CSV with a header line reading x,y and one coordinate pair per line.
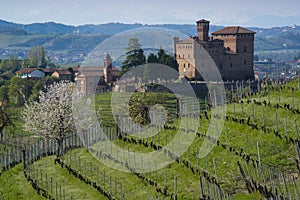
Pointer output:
x,y
107,70
203,29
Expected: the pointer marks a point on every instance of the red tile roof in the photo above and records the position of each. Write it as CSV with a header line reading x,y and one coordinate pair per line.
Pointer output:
x,y
232,30
27,70
66,72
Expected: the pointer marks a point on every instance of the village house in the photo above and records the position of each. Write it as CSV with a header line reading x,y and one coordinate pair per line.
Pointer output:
x,y
30,73
231,48
62,74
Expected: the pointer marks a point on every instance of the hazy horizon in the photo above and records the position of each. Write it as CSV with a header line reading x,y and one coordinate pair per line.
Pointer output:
x,y
77,12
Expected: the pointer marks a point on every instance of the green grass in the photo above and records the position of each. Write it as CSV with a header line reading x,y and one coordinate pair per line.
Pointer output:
x,y
72,185
275,153
14,185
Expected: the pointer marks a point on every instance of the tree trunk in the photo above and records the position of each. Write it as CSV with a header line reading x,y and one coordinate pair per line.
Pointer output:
x,y
59,151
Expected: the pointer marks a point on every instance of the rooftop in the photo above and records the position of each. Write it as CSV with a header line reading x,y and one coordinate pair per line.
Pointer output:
x,y
202,21
232,30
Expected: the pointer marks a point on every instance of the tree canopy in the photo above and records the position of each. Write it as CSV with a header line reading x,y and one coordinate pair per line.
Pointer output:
x,y
37,57
51,116
134,56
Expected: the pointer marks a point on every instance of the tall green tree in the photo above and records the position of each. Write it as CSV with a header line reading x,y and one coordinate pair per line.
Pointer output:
x,y
152,58
37,57
4,93
6,118
10,65
134,56
19,90
166,59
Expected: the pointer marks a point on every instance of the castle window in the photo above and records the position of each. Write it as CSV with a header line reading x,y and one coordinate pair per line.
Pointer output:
x,y
230,64
245,48
183,65
188,55
245,62
182,55
178,55
188,65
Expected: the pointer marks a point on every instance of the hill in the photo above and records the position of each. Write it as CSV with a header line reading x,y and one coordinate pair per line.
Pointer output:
x,y
278,43
256,157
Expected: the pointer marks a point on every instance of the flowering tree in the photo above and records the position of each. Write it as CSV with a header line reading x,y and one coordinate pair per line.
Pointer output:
x,y
51,116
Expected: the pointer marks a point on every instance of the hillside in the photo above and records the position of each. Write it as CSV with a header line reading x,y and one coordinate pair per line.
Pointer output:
x,y
257,155
279,43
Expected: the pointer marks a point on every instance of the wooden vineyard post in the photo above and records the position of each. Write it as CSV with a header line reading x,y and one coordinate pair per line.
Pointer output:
x,y
41,179
285,128
232,93
51,185
263,116
91,170
269,98
298,83
259,162
234,110
175,187
178,150
276,118
121,192
46,177
226,136
201,187
104,180
295,188
278,95
242,111
215,169
165,178
98,182
292,97
60,193
134,161
128,156
258,89
286,186
253,113
56,192
115,194
85,168
110,187
297,133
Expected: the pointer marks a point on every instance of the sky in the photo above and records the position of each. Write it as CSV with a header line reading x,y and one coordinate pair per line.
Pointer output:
x,y
263,13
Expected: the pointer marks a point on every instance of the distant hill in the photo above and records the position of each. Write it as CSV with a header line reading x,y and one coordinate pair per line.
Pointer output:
x,y
59,37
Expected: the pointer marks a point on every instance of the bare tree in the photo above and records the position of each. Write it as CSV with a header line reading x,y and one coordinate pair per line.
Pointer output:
x,y
51,116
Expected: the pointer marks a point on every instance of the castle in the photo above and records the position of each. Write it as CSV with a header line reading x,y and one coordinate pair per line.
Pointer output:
x,y
231,48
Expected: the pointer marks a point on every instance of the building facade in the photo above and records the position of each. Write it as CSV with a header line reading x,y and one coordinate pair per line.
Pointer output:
x,y
91,80
231,48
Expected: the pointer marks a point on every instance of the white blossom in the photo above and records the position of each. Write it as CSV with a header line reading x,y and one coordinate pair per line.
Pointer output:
x,y
51,116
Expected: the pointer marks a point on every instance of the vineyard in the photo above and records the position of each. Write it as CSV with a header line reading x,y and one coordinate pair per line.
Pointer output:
x,y
257,155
